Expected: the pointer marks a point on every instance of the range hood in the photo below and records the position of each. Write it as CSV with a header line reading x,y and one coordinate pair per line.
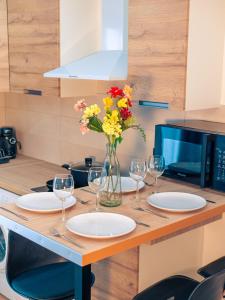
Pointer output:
x,y
107,42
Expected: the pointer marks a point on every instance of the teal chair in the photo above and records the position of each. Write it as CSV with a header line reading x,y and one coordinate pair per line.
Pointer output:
x,y
37,273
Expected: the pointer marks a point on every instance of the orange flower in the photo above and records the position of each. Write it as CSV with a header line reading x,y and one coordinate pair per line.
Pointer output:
x,y
127,90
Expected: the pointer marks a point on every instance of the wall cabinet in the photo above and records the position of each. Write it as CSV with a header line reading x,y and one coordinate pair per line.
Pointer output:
x,y
4,64
34,48
33,34
158,33
206,53
175,50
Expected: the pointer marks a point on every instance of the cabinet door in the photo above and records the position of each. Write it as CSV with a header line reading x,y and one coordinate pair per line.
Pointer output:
x,y
4,63
158,32
33,45
206,55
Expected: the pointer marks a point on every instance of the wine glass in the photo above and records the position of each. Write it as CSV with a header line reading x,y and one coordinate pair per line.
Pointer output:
x,y
156,167
138,171
63,186
96,181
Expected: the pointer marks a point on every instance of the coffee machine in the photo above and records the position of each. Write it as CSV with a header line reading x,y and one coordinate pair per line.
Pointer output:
x,y
8,144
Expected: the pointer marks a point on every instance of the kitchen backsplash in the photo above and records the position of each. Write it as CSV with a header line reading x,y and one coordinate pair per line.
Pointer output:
x,y
2,110
48,128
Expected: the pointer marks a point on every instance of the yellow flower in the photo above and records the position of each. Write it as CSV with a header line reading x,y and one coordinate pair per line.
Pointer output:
x,y
128,91
111,125
108,103
122,103
111,128
114,116
90,111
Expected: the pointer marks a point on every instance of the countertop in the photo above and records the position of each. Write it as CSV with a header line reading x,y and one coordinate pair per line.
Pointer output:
x,y
23,173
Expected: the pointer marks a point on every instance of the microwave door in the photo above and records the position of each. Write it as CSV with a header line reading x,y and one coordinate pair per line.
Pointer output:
x,y
189,168
186,153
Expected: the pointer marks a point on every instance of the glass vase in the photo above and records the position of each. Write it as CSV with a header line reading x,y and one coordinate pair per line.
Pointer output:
x,y
111,196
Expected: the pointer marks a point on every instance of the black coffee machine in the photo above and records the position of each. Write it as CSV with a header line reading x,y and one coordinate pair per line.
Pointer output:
x,y
8,144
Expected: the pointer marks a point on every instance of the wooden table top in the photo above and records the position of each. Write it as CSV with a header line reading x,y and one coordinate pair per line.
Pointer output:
x,y
39,225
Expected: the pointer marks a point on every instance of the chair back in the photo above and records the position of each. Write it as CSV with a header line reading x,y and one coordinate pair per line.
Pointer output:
x,y
210,288
24,255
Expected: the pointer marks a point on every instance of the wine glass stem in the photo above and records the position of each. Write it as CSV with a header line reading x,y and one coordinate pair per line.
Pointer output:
x,y
137,195
156,182
63,212
97,201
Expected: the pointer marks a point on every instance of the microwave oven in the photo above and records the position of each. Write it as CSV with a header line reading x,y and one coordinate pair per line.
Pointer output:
x,y
194,151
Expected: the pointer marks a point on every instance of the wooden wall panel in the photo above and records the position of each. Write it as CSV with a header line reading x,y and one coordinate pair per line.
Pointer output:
x,y
4,63
117,277
33,27
157,50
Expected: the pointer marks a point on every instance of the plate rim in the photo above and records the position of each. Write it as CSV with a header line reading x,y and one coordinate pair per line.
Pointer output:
x,y
132,190
41,210
101,237
175,209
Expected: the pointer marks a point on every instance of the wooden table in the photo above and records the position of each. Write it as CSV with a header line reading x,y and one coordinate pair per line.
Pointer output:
x,y
38,228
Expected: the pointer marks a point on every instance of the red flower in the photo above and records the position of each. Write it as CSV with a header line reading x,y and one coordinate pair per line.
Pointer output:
x,y
115,92
129,103
125,113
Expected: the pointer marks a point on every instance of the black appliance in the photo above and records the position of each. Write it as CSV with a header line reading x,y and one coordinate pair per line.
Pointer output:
x,y
194,151
79,171
8,144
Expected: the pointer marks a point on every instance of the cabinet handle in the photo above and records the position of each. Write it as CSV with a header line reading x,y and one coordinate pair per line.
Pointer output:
x,y
33,92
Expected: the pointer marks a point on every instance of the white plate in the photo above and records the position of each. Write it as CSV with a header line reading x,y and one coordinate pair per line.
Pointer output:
x,y
176,202
101,225
129,185
43,202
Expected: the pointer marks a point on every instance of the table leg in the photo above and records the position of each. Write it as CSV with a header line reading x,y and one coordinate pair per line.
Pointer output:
x,y
82,284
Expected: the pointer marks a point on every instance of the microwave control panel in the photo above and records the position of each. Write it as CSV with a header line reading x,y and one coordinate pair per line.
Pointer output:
x,y
219,164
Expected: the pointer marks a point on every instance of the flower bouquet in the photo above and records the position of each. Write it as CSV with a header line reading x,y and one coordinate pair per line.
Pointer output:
x,y
117,118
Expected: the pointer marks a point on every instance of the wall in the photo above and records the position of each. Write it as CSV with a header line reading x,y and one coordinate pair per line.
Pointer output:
x,y
2,110
173,256
223,79
48,129
4,61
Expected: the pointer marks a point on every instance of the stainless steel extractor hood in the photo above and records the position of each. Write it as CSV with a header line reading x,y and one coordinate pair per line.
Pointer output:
x,y
109,61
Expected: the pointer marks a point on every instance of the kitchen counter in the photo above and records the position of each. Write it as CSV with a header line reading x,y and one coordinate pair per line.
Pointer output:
x,y
118,259
23,173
